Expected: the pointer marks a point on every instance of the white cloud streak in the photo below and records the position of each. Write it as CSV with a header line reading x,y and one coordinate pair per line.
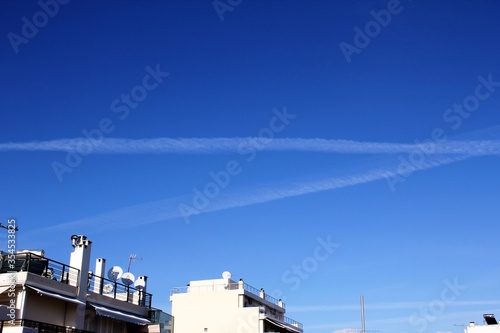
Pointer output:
x,y
163,210
236,144
404,321
434,155
383,306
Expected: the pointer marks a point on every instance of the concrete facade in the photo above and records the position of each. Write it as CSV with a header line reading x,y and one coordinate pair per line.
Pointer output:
x,y
41,294
490,325
223,305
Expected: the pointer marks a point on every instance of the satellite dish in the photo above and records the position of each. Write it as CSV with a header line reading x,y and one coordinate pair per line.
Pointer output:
x,y
115,273
128,278
139,284
226,275
108,288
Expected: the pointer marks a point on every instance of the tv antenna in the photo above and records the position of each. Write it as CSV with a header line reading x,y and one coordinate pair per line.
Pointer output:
x,y
9,227
132,257
362,302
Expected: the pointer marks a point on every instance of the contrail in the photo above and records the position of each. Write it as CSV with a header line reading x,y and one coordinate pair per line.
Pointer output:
x,y
267,194
168,209
404,321
383,306
242,144
434,155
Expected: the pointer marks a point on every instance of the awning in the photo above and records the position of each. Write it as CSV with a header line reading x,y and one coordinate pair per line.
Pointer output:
x,y
56,295
119,315
4,289
289,328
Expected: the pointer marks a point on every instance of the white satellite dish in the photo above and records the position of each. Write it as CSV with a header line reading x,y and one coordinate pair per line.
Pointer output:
x,y
226,275
128,278
108,288
115,273
139,284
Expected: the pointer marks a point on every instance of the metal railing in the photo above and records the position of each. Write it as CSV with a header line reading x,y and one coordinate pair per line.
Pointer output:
x,y
119,291
229,286
267,297
240,285
251,289
273,300
44,327
292,322
40,265
204,288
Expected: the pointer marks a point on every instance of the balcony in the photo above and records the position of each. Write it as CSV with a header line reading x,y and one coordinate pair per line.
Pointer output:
x,y
262,294
229,286
40,266
257,293
292,322
40,327
119,291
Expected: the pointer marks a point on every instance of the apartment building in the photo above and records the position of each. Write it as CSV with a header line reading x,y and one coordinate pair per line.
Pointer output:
x,y
38,294
223,305
490,325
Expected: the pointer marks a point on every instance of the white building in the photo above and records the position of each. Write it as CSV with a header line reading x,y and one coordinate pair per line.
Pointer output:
x,y
223,305
39,294
491,325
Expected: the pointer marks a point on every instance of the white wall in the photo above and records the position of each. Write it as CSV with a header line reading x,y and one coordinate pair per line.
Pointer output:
x,y
483,329
212,312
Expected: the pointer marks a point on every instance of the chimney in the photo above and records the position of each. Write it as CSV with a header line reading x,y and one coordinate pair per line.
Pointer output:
x,y
100,269
80,258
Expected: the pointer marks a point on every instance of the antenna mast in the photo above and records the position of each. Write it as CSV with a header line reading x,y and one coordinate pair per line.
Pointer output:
x,y
9,227
132,257
362,301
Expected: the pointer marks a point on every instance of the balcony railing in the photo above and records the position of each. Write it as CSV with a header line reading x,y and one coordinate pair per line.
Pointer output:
x,y
230,286
241,285
39,265
42,327
292,322
261,292
119,291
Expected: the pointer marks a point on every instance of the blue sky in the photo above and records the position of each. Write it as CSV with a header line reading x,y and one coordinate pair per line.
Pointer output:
x,y
241,136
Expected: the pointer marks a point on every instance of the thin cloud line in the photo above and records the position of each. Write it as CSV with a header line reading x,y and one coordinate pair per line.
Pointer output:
x,y
242,144
381,322
267,194
384,306
168,209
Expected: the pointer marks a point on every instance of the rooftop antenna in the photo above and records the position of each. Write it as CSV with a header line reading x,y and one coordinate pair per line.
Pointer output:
x,y
9,227
362,301
132,257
